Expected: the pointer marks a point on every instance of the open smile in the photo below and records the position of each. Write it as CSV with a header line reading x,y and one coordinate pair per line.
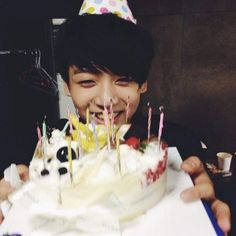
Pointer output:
x,y
99,118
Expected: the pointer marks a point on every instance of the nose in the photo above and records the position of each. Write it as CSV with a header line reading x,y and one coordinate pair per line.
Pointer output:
x,y
106,96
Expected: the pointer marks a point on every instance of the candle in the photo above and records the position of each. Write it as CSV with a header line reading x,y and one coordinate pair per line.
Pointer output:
x,y
127,109
70,158
87,117
112,120
64,129
118,150
44,138
149,120
78,132
69,118
160,123
106,123
95,133
39,136
44,143
77,113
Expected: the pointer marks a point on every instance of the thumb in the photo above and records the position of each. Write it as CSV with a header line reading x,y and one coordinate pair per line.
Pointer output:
x,y
1,216
222,214
23,172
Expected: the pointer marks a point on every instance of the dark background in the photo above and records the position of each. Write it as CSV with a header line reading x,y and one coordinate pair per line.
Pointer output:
x,y
22,106
193,74
194,69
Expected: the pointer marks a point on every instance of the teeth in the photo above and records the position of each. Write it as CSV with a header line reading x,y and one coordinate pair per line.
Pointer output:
x,y
100,115
115,113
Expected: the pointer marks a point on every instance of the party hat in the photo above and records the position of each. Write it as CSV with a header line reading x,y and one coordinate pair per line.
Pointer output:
x,y
117,7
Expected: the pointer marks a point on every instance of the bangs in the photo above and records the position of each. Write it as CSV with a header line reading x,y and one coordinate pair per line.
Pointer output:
x,y
108,42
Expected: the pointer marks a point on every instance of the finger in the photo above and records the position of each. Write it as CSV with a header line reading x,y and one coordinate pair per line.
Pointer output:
x,y
1,217
5,189
199,191
222,214
195,168
192,165
23,172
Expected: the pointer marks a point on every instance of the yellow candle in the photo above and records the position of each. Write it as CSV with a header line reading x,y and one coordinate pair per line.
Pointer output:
x,y
107,126
70,157
87,116
118,150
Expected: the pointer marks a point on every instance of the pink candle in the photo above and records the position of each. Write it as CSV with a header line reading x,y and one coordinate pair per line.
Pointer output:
x,y
107,125
39,136
160,123
149,120
111,112
112,120
127,110
106,116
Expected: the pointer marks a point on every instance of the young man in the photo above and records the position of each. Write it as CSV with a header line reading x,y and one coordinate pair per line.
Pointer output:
x,y
105,60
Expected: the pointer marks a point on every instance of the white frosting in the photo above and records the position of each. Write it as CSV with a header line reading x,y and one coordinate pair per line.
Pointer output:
x,y
104,163
95,192
96,180
56,142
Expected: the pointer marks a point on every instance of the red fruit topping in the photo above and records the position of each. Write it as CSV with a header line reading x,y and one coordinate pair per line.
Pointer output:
x,y
152,176
133,142
164,145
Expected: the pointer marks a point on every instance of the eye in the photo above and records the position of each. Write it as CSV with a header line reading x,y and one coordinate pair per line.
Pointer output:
x,y
125,80
86,83
62,154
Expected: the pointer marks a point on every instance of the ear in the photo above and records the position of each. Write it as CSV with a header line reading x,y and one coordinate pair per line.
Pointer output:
x,y
67,90
143,87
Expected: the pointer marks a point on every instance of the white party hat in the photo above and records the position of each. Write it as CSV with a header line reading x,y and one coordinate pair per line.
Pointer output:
x,y
117,7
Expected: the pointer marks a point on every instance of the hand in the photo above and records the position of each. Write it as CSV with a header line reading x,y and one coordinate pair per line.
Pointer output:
x,y
204,189
6,189
1,217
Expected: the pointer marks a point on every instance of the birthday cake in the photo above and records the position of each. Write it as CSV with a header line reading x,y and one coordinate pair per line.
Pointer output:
x,y
91,179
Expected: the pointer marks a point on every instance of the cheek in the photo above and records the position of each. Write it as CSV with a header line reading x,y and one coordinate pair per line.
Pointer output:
x,y
80,99
134,102
134,99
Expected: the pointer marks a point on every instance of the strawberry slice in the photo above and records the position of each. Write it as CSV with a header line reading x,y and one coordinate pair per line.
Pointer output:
x,y
133,142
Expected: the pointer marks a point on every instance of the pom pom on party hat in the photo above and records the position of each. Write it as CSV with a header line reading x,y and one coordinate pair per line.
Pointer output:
x,y
117,7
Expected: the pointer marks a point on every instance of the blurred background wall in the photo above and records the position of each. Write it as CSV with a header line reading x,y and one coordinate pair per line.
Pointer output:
x,y
23,105
194,71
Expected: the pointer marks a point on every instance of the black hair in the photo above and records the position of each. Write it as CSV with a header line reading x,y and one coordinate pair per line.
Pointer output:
x,y
106,42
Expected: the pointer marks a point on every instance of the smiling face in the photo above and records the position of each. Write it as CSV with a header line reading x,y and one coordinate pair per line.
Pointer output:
x,y
98,89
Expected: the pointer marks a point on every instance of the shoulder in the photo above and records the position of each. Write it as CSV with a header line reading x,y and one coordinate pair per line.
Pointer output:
x,y
186,140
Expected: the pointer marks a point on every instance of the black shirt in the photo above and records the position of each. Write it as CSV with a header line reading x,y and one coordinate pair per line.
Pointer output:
x,y
174,135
